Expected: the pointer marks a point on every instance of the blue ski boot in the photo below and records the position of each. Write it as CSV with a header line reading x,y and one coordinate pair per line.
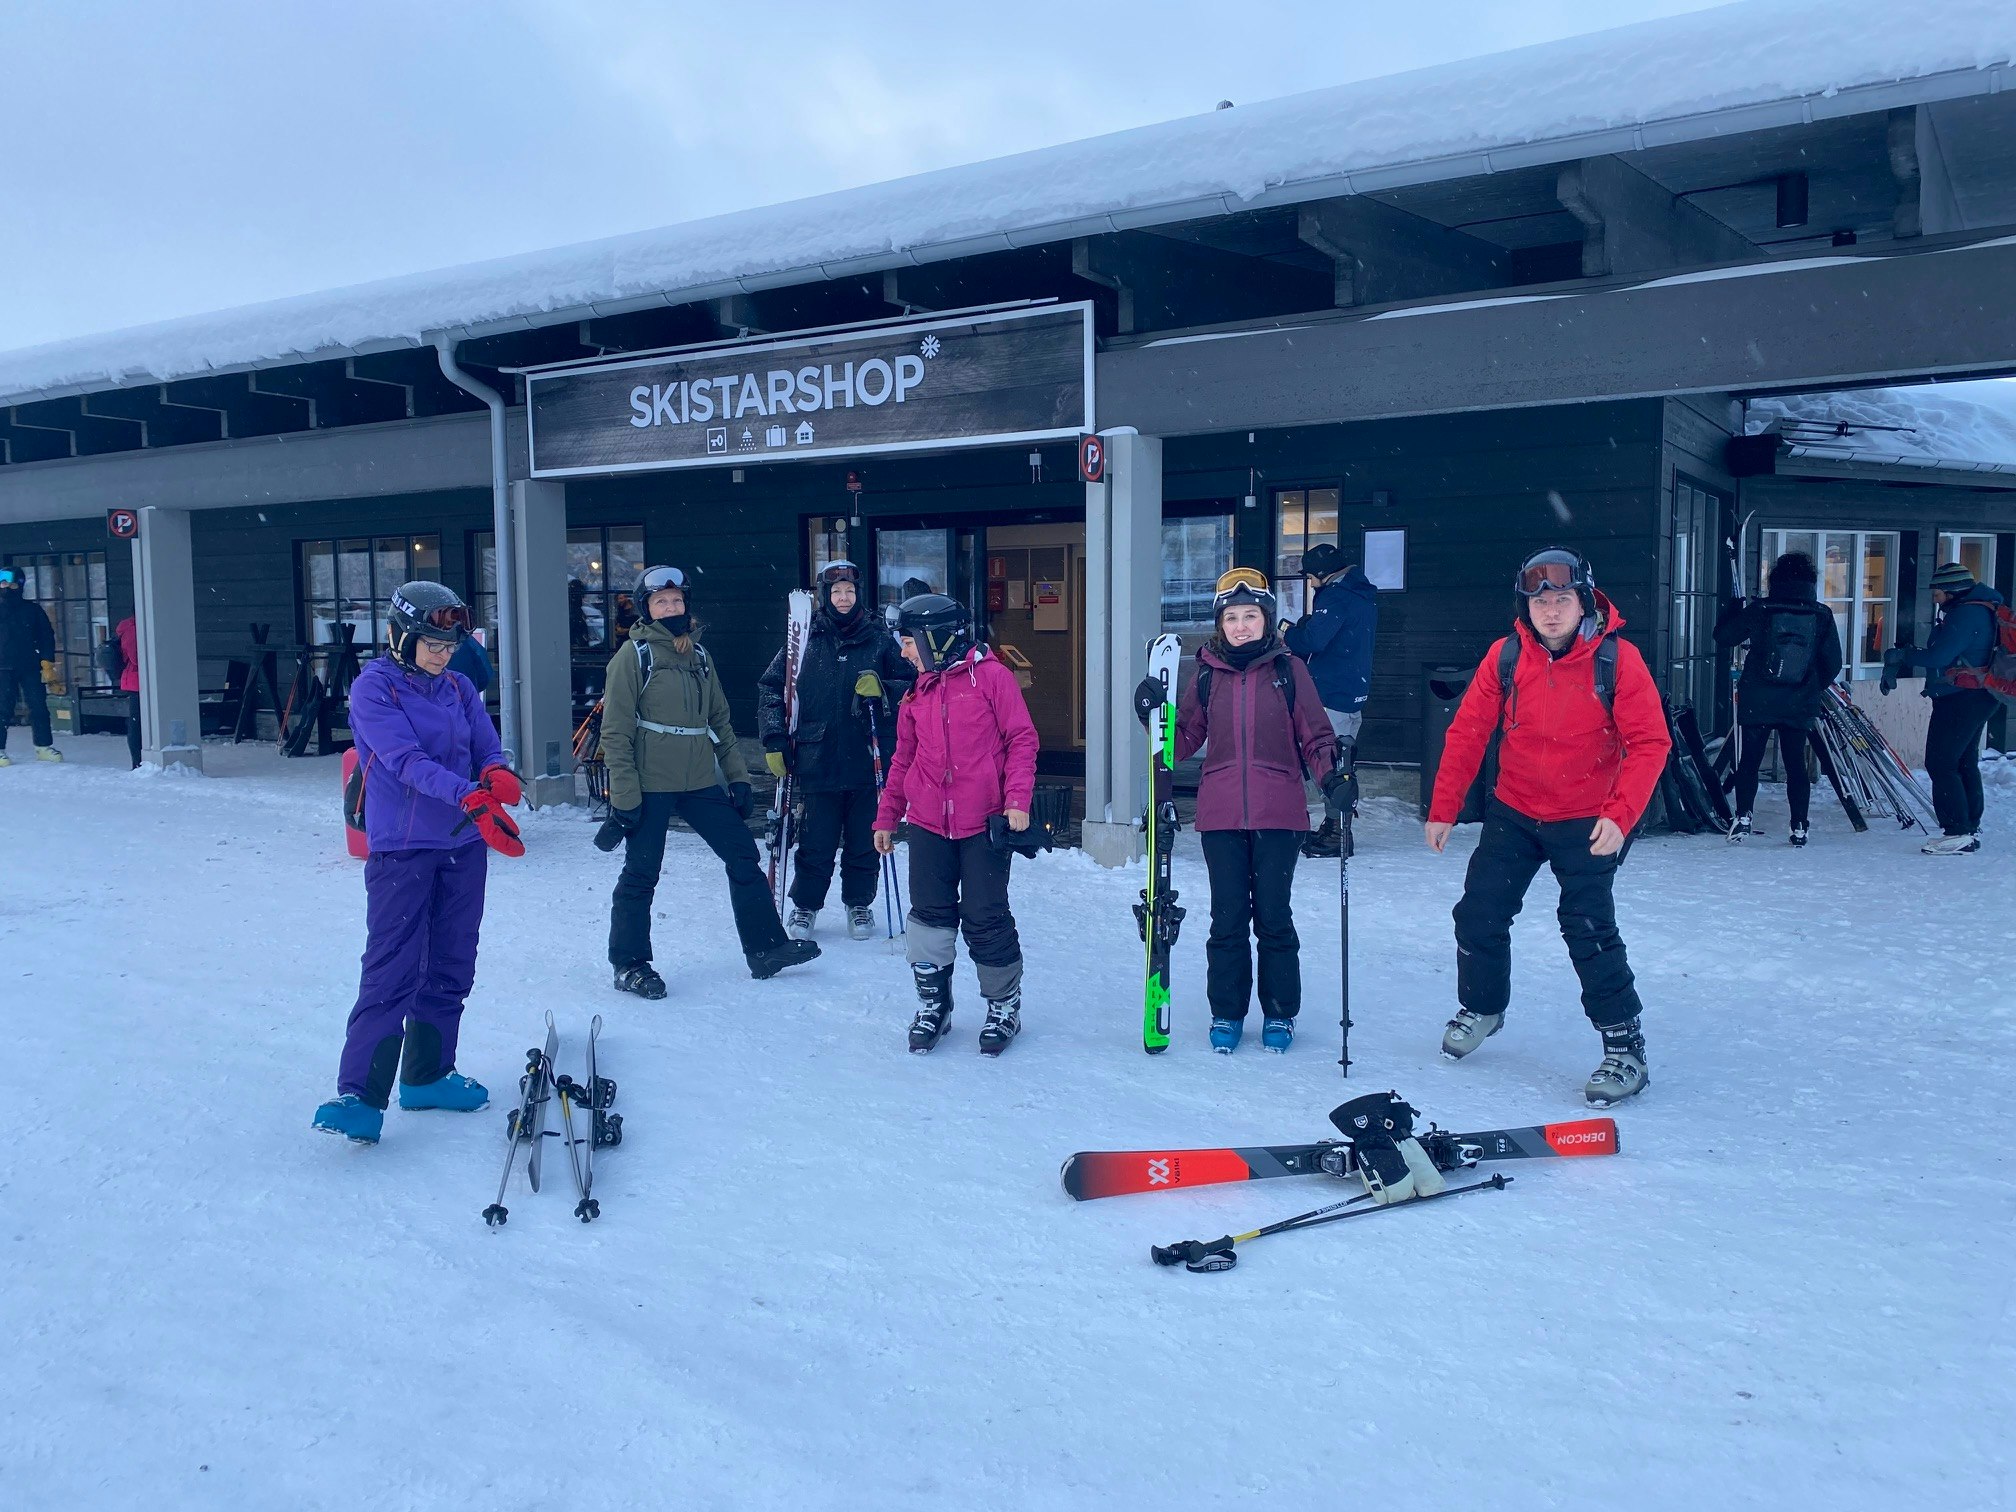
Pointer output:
x,y
455,1092
1225,1034
1277,1034
352,1117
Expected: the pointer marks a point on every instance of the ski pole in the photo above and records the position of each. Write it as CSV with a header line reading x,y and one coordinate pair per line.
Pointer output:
x,y
1220,1254
515,1134
587,1208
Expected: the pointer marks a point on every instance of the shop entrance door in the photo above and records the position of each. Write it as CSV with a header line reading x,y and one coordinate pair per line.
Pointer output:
x,y
1035,607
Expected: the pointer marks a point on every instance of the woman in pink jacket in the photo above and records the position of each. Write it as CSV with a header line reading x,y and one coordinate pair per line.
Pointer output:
x,y
965,765
1260,710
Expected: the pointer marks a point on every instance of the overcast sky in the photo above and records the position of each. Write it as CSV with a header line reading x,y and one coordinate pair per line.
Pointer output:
x,y
166,159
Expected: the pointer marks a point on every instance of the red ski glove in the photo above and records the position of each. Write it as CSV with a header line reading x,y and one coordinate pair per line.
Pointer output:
x,y
492,823
504,783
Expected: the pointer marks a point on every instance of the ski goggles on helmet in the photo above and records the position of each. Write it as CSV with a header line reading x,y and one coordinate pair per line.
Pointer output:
x,y
10,577
1242,585
452,620
656,578
839,572
1552,571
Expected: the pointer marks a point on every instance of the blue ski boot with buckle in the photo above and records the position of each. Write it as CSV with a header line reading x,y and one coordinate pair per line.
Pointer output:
x,y
455,1092
1277,1034
1225,1034
352,1117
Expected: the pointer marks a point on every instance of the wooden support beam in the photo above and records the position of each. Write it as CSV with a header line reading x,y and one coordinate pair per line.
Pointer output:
x,y
1383,255
1632,224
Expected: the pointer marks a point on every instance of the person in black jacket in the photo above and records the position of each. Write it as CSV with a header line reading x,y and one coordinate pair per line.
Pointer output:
x,y
1965,635
1795,652
27,661
1335,639
852,666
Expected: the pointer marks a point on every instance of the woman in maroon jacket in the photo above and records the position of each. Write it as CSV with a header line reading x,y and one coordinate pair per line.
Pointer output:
x,y
1264,719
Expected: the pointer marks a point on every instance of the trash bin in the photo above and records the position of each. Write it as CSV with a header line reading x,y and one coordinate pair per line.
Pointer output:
x,y
1441,691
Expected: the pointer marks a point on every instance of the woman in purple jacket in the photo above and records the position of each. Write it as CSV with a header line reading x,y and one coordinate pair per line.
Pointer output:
x,y
1264,719
434,786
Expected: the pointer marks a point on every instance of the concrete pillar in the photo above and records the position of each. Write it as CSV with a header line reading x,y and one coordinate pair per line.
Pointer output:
x,y
545,669
164,614
1123,535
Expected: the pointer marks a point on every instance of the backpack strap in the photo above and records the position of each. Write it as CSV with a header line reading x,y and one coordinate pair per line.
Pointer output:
x,y
1284,679
1605,673
644,664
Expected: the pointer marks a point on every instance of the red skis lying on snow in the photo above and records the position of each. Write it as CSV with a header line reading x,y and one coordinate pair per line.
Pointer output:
x,y
1114,1173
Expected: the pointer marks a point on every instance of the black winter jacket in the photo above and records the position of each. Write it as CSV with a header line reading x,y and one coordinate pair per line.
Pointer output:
x,y
1760,701
26,637
829,753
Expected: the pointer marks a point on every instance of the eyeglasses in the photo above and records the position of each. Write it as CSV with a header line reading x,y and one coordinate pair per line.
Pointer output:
x,y
656,578
839,572
1549,570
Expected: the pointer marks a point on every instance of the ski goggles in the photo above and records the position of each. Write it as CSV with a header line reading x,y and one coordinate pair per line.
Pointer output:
x,y
452,620
10,577
1548,572
1242,585
656,578
839,572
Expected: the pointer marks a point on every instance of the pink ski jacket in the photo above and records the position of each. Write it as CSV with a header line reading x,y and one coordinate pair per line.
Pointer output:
x,y
965,750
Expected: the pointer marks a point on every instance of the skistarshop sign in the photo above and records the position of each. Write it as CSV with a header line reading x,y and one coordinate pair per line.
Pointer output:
x,y
972,380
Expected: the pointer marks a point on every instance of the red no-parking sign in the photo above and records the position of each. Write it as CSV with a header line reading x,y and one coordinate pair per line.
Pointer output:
x,y
1092,459
123,523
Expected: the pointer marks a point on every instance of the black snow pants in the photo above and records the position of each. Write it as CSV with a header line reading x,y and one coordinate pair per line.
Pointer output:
x,y
711,817
961,886
1252,875
1953,758
1792,741
842,821
1509,854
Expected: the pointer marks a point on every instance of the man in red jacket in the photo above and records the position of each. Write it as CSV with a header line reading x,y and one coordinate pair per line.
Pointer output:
x,y
1580,744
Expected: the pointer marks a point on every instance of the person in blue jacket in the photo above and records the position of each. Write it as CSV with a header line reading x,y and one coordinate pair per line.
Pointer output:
x,y
1335,640
435,786
1964,636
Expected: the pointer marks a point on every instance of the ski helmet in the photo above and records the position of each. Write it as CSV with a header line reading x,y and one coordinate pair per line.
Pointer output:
x,y
1558,568
424,611
11,577
1244,585
941,627
657,580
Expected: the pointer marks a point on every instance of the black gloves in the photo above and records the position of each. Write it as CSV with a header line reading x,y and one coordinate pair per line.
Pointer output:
x,y
1149,696
617,827
741,799
1340,788
1896,662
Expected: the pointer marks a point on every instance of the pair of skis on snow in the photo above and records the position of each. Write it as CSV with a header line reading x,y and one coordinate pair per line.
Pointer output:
x,y
538,1089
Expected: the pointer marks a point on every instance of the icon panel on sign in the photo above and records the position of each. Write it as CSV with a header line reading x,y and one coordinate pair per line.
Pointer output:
x,y
804,434
717,440
773,435
748,439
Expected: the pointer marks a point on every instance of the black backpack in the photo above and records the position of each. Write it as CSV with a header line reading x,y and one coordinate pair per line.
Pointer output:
x,y
1788,643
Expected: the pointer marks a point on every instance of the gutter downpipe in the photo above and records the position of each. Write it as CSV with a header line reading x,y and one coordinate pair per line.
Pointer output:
x,y
507,554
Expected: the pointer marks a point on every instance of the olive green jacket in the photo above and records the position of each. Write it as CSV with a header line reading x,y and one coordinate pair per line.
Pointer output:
x,y
686,692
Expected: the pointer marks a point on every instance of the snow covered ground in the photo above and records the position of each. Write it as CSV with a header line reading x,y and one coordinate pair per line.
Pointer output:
x,y
833,1275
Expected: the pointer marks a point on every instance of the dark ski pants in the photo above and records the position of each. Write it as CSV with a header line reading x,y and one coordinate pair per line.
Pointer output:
x,y
1792,740
1953,758
709,815
844,822
1252,874
960,885
1509,853
133,727
423,910
27,687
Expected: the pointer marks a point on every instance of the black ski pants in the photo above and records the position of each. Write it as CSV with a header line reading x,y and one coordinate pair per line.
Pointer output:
x,y
961,886
844,822
1252,875
26,686
133,727
1509,854
1953,758
1792,740
709,815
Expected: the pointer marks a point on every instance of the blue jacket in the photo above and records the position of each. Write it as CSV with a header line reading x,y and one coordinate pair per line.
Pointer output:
x,y
473,662
1963,638
421,743
1335,639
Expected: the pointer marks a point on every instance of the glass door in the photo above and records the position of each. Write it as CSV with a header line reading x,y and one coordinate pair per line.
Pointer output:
x,y
1694,664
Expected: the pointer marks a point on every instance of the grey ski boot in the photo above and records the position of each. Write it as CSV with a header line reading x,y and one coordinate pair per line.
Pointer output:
x,y
860,921
1467,1031
934,1006
1622,1073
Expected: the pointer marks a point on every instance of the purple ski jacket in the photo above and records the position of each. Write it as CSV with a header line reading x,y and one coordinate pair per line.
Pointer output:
x,y
965,750
421,743
1252,777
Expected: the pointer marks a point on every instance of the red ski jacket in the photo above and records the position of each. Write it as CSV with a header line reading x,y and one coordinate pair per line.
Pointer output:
x,y
1563,755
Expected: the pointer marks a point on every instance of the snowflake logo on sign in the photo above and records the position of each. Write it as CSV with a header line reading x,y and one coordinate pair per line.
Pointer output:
x,y
1158,1173
929,346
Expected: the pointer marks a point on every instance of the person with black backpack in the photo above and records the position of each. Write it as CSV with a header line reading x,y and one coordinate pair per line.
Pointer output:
x,y
1574,721
1795,652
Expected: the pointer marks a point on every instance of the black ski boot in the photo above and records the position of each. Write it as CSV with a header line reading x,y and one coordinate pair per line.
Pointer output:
x,y
1004,1022
638,977
1326,842
1798,833
934,1006
764,964
1622,1073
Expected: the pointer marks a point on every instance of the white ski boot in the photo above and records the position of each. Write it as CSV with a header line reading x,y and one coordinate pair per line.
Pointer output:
x,y
1622,1073
1950,845
1468,1030
861,921
799,925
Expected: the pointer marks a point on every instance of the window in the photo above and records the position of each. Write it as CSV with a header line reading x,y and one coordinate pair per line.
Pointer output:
x,y
351,582
1195,552
603,565
906,558
1302,517
1974,552
827,540
70,587
1858,581
1698,515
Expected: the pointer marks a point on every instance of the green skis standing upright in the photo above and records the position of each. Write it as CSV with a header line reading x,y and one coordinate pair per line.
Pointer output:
x,y
1157,912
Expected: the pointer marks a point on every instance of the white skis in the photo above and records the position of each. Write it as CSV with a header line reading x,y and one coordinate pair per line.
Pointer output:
x,y
797,631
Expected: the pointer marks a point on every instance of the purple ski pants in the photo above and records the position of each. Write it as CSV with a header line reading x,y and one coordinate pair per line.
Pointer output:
x,y
423,911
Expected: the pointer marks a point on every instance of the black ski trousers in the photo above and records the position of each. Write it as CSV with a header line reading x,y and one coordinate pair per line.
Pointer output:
x,y
133,727
1953,758
1252,875
842,821
709,815
961,885
1792,741
26,686
1509,854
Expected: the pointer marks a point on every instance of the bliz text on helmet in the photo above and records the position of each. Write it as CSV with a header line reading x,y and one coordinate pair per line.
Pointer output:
x,y
776,391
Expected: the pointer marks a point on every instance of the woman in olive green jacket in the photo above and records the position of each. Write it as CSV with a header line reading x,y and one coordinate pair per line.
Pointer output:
x,y
670,747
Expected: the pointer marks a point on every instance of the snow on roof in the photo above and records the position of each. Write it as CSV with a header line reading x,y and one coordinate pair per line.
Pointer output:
x,y
1926,423
1659,81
